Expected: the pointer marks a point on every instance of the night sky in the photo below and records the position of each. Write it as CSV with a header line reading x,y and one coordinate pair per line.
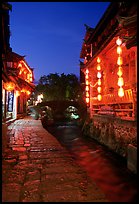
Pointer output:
x,y
51,34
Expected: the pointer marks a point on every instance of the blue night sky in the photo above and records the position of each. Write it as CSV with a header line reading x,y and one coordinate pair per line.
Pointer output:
x,y
51,34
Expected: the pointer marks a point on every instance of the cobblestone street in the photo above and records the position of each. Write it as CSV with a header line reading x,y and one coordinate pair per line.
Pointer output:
x,y
36,168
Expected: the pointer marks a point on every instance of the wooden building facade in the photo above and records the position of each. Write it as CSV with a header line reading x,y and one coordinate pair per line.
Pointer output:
x,y
17,76
109,54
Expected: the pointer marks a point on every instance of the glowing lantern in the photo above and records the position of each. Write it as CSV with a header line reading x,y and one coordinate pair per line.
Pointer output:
x,y
120,61
87,94
87,100
119,73
9,86
86,77
99,89
87,82
120,81
98,67
99,97
99,82
87,88
98,60
99,75
118,41
121,92
119,50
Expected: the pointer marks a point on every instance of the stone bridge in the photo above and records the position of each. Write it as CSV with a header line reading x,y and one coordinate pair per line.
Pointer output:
x,y
61,106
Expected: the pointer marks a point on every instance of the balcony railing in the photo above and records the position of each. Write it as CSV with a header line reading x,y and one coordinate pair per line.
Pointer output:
x,y
114,98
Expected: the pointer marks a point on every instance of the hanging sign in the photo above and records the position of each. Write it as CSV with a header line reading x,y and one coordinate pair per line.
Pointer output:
x,y
10,101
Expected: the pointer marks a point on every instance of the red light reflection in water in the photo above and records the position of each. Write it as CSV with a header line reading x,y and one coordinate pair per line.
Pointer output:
x,y
115,182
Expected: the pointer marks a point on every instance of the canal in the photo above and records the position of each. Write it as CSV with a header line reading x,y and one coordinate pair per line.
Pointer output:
x,y
106,168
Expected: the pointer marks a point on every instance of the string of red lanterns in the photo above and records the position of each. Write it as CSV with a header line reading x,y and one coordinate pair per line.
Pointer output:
x,y
87,87
9,86
120,70
99,75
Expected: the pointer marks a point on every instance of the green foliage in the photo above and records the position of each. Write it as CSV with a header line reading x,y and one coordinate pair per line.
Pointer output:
x,y
59,87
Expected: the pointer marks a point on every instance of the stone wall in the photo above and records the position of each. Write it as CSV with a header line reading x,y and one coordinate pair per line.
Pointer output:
x,y
114,132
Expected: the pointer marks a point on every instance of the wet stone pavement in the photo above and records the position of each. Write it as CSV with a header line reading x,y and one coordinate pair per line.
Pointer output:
x,y
37,168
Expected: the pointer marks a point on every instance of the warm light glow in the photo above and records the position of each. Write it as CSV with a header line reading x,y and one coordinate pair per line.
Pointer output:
x,y
86,77
99,89
23,90
119,50
87,100
99,82
119,73
118,41
39,98
26,66
120,60
9,86
120,92
28,92
87,82
87,88
98,60
99,75
17,93
98,67
87,71
99,97
19,65
120,81
87,94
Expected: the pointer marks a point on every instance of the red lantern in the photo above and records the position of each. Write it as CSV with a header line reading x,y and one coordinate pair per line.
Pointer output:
x,y
9,86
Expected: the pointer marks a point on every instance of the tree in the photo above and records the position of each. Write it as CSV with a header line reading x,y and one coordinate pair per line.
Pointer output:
x,y
59,87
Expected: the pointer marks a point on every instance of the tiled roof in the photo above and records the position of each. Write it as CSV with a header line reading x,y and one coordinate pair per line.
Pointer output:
x,y
13,57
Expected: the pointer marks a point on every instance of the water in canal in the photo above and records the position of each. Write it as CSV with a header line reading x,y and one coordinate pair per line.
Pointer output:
x,y
106,168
